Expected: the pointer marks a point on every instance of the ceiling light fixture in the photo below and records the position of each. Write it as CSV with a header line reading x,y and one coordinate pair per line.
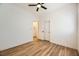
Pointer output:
x,y
38,5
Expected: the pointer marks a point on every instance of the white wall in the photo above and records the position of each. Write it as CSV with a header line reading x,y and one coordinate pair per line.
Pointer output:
x,y
15,26
63,25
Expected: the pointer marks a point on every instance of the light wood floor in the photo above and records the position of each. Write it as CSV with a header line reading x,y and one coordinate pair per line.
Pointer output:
x,y
43,48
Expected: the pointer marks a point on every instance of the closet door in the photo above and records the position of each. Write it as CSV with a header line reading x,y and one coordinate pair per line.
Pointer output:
x,y
42,30
45,30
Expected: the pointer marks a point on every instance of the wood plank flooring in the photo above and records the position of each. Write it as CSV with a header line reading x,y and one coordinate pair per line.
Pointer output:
x,y
43,48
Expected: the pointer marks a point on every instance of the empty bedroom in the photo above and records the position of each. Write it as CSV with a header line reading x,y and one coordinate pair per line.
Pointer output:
x,y
39,29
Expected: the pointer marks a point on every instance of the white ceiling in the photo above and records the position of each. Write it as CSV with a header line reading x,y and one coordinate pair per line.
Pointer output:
x,y
51,7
